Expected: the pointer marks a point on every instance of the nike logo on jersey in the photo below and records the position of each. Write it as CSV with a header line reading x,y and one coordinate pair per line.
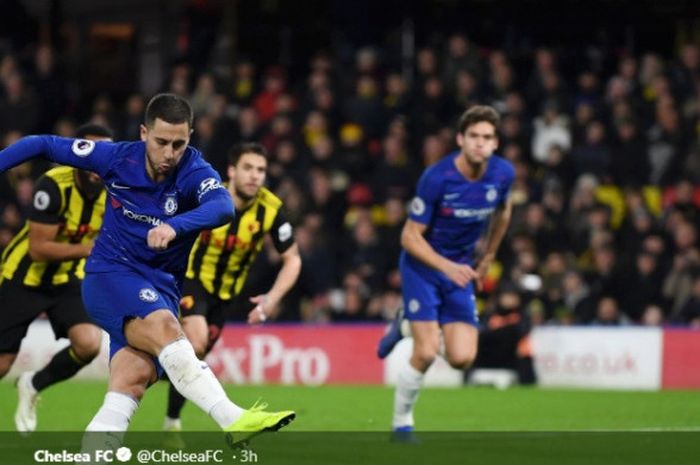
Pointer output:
x,y
119,186
452,196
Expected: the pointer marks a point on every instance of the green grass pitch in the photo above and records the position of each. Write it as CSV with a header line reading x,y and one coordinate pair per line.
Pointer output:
x,y
70,406
350,424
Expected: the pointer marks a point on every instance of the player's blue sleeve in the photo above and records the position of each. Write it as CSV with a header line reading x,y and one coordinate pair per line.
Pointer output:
x,y
79,153
426,198
215,204
506,184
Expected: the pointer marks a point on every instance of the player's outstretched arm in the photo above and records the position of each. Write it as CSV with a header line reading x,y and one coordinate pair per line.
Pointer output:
x,y
83,154
413,241
24,149
266,305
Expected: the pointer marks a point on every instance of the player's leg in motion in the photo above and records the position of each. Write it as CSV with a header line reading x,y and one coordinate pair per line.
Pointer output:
x,y
426,343
84,346
461,342
140,318
160,334
196,330
392,336
131,371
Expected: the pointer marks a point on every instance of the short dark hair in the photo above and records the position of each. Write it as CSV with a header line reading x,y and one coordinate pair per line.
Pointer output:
x,y
170,108
478,114
93,129
239,150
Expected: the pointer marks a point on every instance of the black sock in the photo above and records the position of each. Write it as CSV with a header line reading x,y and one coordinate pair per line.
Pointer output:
x,y
62,366
175,402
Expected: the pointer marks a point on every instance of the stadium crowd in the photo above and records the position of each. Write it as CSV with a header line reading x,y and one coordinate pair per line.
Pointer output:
x,y
605,226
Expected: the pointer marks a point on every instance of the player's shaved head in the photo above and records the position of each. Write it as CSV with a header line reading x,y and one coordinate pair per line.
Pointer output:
x,y
170,108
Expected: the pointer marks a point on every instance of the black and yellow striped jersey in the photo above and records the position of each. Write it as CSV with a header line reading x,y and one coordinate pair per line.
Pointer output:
x,y
57,200
220,259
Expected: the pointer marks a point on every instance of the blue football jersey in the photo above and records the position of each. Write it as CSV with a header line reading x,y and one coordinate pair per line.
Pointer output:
x,y
457,210
136,203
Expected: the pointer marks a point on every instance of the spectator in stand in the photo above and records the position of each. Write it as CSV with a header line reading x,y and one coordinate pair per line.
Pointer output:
x,y
684,200
641,286
393,175
397,98
249,126
51,88
608,313
19,106
466,89
606,276
630,166
427,65
552,128
433,107
686,261
577,297
685,74
653,315
274,84
668,144
593,155
132,117
690,311
365,106
243,87
460,55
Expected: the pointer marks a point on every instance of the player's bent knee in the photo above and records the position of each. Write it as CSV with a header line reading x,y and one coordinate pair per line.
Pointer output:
x,y
153,332
134,382
197,332
460,362
86,340
88,345
200,348
166,324
425,355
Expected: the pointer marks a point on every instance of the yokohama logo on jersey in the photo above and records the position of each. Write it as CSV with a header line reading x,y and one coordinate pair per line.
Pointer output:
x,y
142,218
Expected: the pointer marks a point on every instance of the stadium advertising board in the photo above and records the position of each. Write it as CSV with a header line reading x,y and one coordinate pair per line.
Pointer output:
x,y
681,364
597,357
297,354
617,358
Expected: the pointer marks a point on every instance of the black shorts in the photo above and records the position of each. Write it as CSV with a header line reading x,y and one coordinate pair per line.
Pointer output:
x,y
22,304
197,301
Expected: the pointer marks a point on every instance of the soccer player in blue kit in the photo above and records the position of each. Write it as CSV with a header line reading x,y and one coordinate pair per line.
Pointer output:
x,y
161,194
456,199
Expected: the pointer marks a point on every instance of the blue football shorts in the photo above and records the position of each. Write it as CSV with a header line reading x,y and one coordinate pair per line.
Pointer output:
x,y
429,295
114,298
